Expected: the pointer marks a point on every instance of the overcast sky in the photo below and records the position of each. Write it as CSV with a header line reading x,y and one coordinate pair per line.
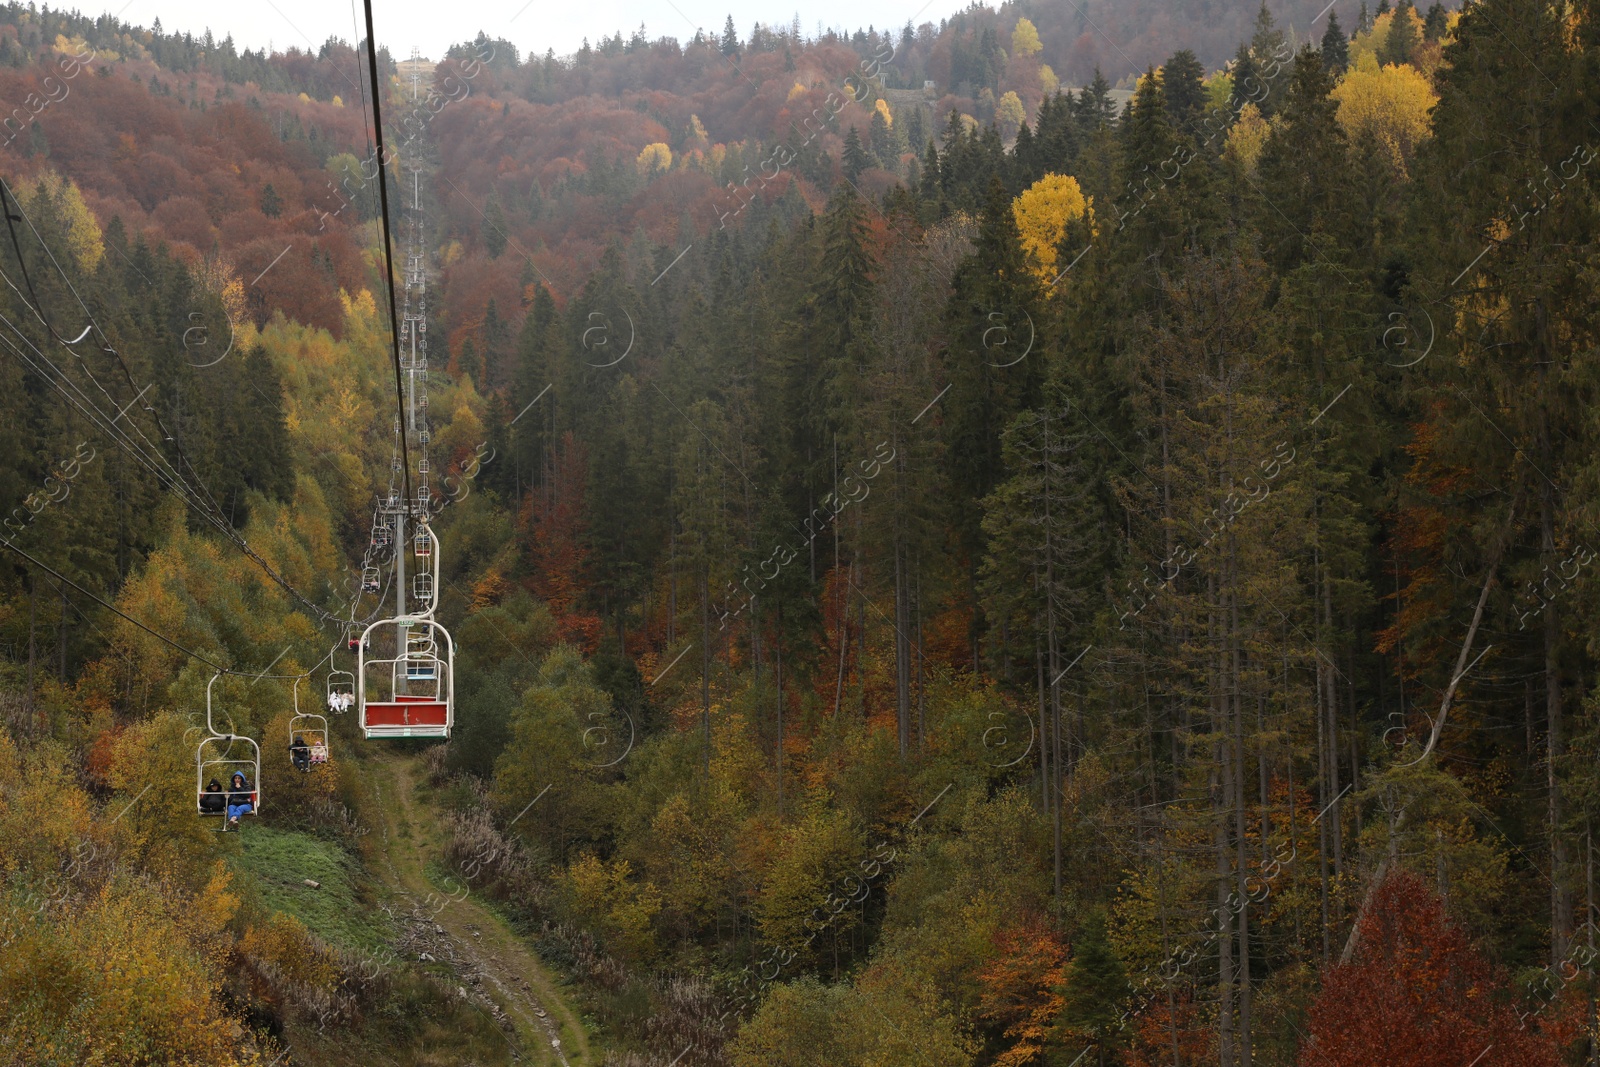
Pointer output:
x,y
541,24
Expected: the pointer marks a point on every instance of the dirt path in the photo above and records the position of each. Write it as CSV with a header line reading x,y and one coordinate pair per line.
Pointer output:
x,y
494,967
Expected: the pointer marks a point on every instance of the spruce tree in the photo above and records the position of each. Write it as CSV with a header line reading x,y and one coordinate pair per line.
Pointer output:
x,y
854,159
1095,993
1433,27
494,227
1335,46
882,139
1402,39
1183,91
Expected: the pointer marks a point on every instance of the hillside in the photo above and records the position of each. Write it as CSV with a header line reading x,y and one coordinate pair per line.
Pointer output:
x,y
1082,563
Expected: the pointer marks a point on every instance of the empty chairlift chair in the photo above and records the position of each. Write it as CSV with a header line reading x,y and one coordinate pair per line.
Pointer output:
x,y
405,681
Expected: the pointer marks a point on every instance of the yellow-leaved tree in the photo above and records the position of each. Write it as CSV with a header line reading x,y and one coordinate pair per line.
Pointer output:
x,y
1025,39
1009,114
1043,211
1247,138
84,239
1391,103
654,157
115,979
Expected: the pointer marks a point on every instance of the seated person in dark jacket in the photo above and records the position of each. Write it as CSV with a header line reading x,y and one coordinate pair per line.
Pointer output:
x,y
239,799
300,753
213,800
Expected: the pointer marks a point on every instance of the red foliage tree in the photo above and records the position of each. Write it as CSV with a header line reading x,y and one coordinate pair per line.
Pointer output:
x,y
1417,994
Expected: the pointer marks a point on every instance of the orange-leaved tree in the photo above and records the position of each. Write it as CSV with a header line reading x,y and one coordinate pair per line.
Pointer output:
x,y
1021,987
1416,993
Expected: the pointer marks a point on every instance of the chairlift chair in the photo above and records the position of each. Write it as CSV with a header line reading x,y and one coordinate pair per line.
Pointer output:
x,y
369,580
310,728
219,762
422,544
341,689
402,690
215,756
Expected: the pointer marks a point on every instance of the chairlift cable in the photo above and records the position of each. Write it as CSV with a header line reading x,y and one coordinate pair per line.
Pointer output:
x,y
174,476
388,258
6,543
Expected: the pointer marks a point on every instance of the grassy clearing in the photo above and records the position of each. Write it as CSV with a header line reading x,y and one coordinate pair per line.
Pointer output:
x,y
341,911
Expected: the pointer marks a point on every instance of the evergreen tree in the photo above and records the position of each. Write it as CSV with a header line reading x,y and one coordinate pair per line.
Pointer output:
x,y
730,38
853,159
991,307
493,230
1094,995
1335,46
1433,27
1182,91
1305,171
1094,108
882,139
1402,39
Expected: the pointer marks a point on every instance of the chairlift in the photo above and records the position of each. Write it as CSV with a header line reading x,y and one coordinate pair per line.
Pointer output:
x,y
405,680
310,728
369,580
215,756
404,692
382,536
342,687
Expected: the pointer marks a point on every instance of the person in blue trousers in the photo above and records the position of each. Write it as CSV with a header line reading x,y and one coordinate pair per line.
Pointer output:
x,y
239,802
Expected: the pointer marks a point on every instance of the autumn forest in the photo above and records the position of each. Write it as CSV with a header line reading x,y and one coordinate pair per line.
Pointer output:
x,y
1053,536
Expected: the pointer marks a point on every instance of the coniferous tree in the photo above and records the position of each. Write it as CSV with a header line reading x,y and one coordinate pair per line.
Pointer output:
x,y
1094,994
494,227
1433,27
1403,38
882,139
1182,91
853,159
1335,46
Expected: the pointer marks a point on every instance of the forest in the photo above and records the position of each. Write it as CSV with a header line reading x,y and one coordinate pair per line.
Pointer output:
x,y
1012,541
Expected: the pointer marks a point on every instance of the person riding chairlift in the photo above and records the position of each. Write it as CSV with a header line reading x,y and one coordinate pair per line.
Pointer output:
x,y
239,802
213,801
300,753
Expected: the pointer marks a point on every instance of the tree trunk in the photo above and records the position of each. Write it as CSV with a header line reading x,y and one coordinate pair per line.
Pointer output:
x,y
1560,896
705,662
902,647
33,614
777,645
1241,841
